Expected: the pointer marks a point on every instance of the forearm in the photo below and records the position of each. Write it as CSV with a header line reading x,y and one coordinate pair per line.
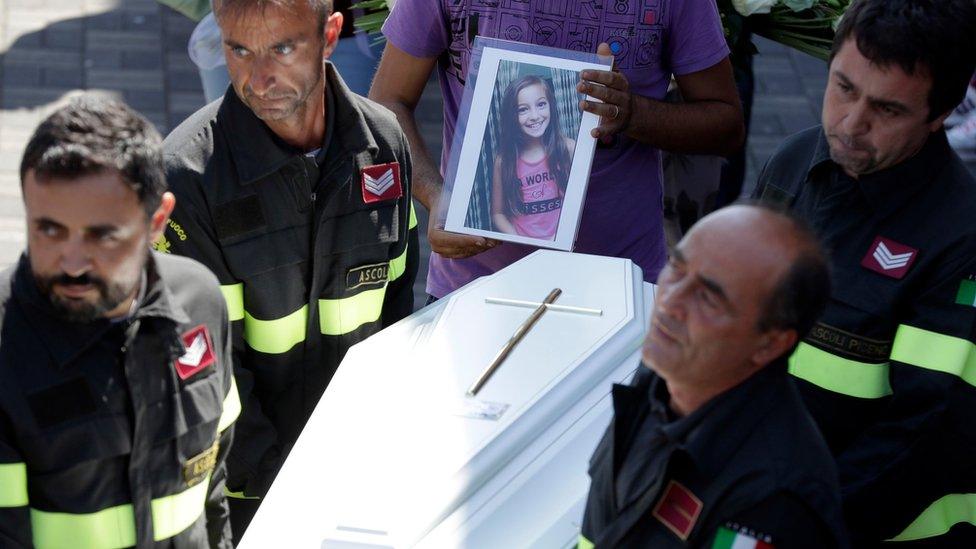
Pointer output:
x,y
701,127
426,179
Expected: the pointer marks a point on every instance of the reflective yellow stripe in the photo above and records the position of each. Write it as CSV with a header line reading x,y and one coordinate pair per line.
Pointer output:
x,y
115,527
237,495
341,316
13,484
173,514
939,517
234,296
399,264
232,407
840,375
413,216
275,336
935,351
584,543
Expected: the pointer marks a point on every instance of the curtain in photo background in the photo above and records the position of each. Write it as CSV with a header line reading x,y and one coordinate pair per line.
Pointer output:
x,y
567,101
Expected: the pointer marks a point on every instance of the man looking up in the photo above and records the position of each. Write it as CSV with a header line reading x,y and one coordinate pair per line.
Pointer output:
x,y
650,42
116,391
887,372
296,193
711,446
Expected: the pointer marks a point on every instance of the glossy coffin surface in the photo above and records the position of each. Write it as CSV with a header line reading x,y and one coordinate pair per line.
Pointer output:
x,y
396,454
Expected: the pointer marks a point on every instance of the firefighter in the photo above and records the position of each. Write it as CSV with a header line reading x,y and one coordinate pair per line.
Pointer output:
x,y
296,193
888,371
711,446
116,391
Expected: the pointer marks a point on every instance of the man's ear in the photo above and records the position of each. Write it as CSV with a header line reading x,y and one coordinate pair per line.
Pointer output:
x,y
157,222
774,344
331,32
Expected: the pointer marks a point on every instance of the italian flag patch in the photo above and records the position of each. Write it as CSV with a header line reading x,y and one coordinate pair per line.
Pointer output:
x,y
727,538
967,292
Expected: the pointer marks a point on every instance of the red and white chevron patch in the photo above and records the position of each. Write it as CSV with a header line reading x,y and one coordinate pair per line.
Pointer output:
x,y
889,258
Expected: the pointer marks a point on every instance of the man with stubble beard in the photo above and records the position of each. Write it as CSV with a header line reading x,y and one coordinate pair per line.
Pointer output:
x,y
296,193
888,372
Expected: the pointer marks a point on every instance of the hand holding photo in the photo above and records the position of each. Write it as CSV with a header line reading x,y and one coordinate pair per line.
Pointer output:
x,y
521,156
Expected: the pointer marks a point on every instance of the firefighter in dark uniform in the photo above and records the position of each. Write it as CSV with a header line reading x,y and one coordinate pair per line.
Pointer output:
x,y
710,445
887,372
295,192
116,390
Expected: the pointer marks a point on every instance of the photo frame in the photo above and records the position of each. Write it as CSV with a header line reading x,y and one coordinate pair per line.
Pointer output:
x,y
522,150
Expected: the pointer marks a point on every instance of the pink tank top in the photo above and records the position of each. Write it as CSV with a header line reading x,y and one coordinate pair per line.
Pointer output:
x,y
541,200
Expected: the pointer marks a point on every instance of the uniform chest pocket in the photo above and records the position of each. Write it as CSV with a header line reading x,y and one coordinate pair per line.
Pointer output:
x,y
191,413
95,438
374,227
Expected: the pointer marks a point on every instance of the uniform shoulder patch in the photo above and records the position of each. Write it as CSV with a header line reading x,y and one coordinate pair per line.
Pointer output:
x,y
198,353
736,536
889,258
381,182
678,509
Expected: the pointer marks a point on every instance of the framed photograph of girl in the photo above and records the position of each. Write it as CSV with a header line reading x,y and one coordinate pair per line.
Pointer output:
x,y
522,151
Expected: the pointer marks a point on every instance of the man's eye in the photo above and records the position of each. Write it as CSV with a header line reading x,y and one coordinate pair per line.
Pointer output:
x,y
239,51
284,49
49,231
708,299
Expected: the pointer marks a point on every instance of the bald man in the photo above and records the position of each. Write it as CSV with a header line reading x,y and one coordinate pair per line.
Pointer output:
x,y
710,445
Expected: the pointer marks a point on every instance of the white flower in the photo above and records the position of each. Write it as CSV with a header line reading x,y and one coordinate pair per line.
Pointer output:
x,y
749,7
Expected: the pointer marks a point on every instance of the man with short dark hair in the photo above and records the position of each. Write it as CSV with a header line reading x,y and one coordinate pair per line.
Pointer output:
x,y
887,372
116,391
296,193
711,445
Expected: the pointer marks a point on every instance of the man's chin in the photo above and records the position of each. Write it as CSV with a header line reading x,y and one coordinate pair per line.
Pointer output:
x,y
74,310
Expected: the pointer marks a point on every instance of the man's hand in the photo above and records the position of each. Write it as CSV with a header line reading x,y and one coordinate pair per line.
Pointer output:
x,y
613,89
453,245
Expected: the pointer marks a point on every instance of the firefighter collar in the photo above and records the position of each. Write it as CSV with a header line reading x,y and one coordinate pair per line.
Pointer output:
x,y
67,340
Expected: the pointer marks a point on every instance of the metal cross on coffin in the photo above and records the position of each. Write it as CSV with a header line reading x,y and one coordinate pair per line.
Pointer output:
x,y
540,308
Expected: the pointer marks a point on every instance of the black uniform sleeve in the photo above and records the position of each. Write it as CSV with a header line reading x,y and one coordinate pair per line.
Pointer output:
x,y
256,455
218,517
783,521
15,525
403,266
906,460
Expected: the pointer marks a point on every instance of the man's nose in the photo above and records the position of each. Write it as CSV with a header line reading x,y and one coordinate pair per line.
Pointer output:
x,y
857,121
75,259
262,76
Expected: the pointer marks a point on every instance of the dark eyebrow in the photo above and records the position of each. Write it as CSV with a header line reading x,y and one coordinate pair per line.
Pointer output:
x,y
47,221
894,105
715,288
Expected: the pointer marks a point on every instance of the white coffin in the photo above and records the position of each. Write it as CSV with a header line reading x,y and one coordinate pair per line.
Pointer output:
x,y
395,454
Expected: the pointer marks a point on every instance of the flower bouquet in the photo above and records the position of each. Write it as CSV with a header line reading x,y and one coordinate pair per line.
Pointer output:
x,y
805,25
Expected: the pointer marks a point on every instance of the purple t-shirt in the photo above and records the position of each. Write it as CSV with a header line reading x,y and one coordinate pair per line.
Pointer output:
x,y
650,39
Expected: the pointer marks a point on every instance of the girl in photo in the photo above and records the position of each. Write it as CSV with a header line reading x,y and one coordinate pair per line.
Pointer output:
x,y
532,168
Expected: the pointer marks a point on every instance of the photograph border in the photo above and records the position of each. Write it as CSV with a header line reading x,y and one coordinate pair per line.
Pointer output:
x,y
469,136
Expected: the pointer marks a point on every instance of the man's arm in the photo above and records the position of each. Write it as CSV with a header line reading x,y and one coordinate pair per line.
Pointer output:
x,y
919,451
218,515
256,456
708,121
15,525
398,86
398,302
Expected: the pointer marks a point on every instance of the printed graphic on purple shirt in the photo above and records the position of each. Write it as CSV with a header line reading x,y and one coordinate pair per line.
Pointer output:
x,y
650,39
